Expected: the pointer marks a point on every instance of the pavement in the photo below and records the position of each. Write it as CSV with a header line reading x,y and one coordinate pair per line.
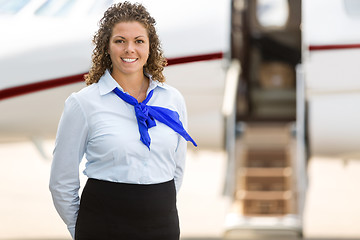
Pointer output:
x,y
26,210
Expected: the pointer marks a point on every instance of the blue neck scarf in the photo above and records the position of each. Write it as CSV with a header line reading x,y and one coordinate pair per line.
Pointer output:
x,y
146,116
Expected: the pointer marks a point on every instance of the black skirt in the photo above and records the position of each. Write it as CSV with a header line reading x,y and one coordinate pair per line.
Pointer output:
x,y
116,211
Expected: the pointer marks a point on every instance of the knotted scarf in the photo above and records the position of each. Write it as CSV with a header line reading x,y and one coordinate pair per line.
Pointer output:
x,y
146,116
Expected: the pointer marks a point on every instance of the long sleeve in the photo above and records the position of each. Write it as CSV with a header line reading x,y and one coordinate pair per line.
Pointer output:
x,y
180,154
69,150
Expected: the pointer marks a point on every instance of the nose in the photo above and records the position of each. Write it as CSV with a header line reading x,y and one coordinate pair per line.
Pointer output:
x,y
130,48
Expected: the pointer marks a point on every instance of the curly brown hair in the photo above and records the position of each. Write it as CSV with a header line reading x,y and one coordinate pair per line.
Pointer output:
x,y
125,12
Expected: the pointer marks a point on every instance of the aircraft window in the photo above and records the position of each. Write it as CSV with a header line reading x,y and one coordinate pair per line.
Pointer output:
x,y
12,7
352,7
272,13
55,8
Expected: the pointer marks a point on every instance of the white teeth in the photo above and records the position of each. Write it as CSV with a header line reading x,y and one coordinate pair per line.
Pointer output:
x,y
129,60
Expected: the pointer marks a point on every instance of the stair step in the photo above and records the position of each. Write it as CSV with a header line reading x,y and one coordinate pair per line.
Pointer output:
x,y
266,172
263,195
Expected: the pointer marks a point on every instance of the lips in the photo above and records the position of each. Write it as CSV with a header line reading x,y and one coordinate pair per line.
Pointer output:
x,y
129,60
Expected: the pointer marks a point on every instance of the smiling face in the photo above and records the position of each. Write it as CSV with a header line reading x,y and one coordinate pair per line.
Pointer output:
x,y
128,48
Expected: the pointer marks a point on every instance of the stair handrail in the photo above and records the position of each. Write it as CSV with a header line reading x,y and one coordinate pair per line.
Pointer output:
x,y
229,114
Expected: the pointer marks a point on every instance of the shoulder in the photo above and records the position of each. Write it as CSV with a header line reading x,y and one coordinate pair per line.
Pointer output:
x,y
79,101
177,102
172,98
173,92
88,91
85,94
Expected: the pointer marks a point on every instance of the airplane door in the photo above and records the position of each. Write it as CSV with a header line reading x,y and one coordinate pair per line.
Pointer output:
x,y
267,196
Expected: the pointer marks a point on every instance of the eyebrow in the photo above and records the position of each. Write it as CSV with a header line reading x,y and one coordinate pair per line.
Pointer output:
x,y
125,38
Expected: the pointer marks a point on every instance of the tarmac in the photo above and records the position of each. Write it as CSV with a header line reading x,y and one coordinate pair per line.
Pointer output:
x,y
332,209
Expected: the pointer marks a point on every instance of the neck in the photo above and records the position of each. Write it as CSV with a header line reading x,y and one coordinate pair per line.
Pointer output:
x,y
135,84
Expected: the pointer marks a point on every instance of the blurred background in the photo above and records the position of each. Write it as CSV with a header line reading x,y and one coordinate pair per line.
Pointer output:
x,y
272,89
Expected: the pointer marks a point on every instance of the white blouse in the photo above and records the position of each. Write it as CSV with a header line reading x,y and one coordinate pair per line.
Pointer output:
x,y
97,123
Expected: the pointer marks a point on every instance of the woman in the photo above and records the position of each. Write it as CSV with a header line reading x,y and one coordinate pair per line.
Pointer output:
x,y
129,124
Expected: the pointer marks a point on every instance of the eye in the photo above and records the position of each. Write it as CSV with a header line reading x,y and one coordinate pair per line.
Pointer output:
x,y
119,41
139,41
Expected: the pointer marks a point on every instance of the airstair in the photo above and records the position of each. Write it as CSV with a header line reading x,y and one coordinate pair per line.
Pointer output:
x,y
266,177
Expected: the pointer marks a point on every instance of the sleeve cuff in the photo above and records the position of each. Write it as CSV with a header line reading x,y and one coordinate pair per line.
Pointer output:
x,y
72,231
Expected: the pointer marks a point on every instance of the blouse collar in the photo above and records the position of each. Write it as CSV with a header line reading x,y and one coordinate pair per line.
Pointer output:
x,y
107,83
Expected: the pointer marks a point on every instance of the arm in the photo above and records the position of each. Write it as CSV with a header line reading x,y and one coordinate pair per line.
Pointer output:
x,y
180,154
180,157
69,149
